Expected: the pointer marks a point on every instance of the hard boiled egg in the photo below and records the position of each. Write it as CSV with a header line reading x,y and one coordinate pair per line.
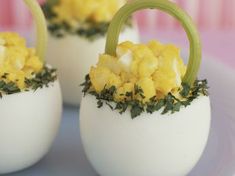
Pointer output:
x,y
148,144
151,144
146,115
29,122
30,99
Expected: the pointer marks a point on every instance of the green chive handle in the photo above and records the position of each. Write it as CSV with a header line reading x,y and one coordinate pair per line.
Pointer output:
x,y
41,26
173,10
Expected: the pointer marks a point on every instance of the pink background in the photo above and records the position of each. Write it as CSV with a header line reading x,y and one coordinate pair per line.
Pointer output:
x,y
215,20
208,14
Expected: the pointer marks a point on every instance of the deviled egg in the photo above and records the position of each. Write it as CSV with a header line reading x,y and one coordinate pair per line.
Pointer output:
x,y
77,30
30,99
144,112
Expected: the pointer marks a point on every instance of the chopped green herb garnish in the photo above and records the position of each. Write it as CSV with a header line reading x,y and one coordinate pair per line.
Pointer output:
x,y
87,29
9,88
168,104
41,79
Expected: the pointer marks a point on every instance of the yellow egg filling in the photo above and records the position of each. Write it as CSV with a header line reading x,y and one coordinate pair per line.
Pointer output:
x,y
17,62
98,11
156,68
146,78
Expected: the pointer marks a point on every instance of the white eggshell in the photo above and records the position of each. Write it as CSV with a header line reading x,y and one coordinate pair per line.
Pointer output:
x,y
73,56
29,122
149,145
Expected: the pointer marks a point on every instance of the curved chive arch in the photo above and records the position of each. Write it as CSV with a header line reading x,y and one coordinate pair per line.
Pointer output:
x,y
41,27
170,8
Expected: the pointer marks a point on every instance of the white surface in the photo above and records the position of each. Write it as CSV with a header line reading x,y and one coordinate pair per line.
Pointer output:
x,y
73,56
148,145
67,155
29,122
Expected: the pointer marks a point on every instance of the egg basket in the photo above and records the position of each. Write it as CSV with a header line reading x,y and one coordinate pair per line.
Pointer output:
x,y
29,120
73,55
151,144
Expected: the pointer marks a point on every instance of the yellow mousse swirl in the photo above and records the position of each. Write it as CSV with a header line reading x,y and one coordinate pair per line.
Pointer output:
x,y
73,11
156,68
17,62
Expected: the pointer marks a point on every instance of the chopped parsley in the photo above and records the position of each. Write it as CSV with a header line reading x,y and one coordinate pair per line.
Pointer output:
x,y
87,29
168,104
39,80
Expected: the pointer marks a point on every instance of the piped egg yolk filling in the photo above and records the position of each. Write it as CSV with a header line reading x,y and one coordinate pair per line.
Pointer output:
x,y
156,68
17,62
73,11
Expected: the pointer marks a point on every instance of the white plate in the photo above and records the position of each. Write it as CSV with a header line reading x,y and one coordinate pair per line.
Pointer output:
x,y
219,156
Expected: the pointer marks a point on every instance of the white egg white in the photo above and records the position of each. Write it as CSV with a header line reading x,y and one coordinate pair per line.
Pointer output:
x,y
74,55
29,122
149,145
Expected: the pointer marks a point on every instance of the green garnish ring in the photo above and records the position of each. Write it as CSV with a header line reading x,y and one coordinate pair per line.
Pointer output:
x,y
41,26
172,9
